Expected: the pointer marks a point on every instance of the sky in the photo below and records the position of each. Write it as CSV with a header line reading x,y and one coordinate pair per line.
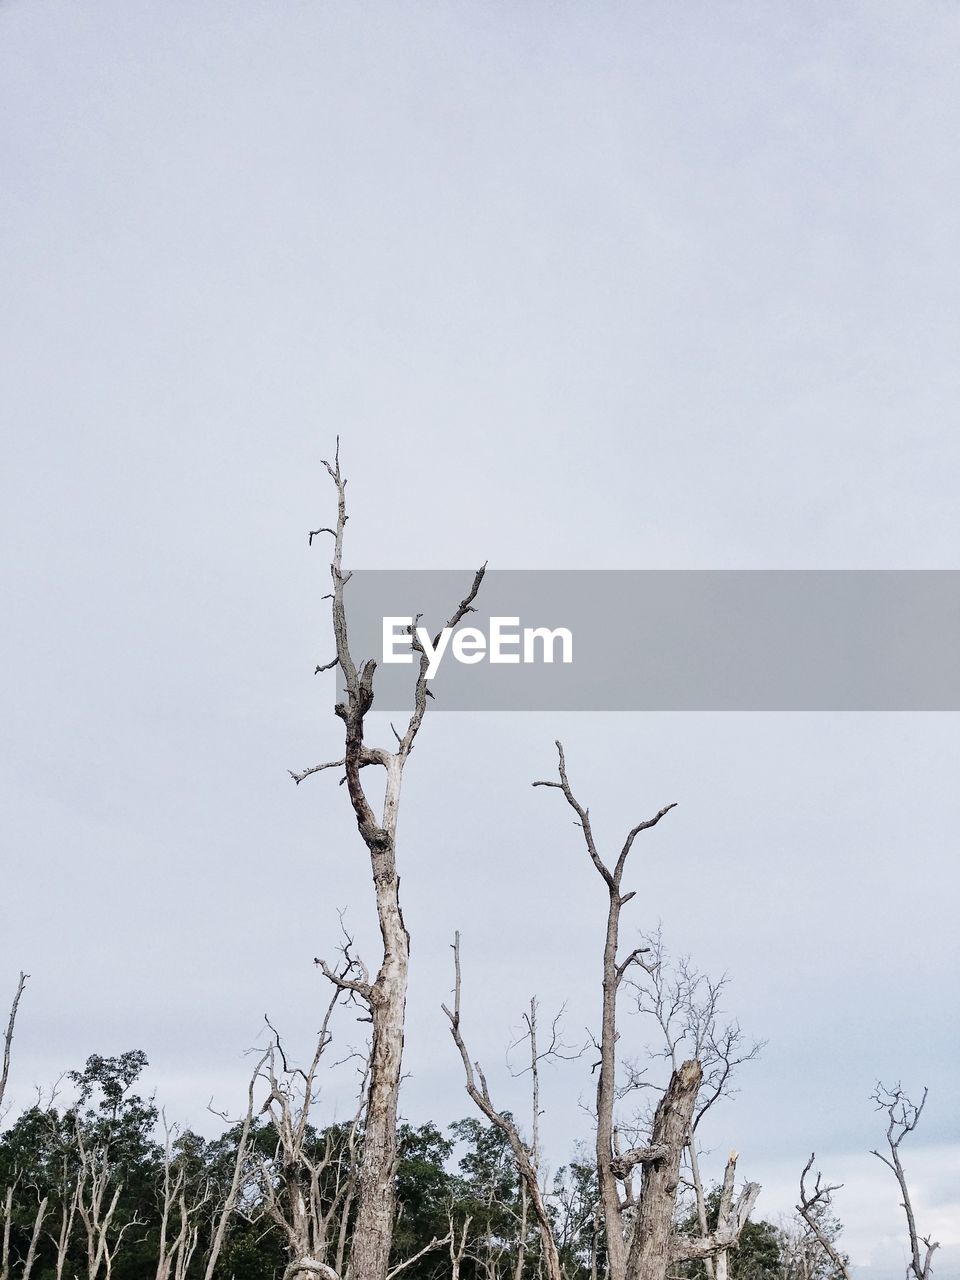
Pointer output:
x,y
578,286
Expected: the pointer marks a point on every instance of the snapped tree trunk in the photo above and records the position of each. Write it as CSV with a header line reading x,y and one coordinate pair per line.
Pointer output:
x,y
651,1246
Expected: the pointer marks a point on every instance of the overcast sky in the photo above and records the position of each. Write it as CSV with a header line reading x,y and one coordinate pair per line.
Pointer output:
x,y
579,286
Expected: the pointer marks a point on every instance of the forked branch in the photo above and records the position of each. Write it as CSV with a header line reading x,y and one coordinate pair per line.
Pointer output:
x,y
813,1207
903,1116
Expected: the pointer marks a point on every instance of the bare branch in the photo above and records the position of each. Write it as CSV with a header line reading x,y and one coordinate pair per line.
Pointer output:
x,y
309,1267
621,1165
435,1243
422,691
8,1036
523,1158
813,1205
315,768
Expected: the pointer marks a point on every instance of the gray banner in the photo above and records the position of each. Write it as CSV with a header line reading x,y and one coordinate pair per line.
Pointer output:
x,y
713,640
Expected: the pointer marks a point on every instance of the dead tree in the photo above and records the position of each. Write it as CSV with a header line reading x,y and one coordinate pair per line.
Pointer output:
x,y
642,1244
555,1050
731,1219
686,1006
227,1206
7,1209
386,996
524,1157
308,1185
903,1116
614,972
650,1246
813,1207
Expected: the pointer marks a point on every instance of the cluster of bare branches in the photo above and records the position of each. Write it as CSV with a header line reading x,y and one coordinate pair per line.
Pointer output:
x,y
815,1210
307,1185
686,1007
816,1199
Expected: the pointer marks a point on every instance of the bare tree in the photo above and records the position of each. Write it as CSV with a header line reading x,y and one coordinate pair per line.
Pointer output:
x,y
551,1049
386,995
614,972
640,1237
903,1116
179,1214
814,1208
524,1157
732,1217
309,1183
229,1202
687,1008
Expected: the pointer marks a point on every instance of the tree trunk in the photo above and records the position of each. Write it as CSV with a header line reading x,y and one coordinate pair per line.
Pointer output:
x,y
370,1254
649,1255
606,1094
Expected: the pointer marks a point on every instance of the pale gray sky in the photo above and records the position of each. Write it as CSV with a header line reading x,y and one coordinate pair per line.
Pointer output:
x,y
606,285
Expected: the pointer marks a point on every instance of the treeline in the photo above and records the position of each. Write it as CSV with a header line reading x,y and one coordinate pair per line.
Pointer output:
x,y
100,1186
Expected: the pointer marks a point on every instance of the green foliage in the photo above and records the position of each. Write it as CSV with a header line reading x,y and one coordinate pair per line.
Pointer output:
x,y
426,1194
